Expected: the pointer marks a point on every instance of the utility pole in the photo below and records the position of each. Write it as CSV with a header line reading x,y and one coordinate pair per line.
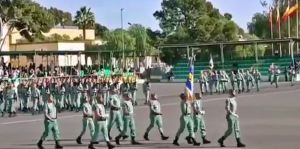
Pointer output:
x,y
123,44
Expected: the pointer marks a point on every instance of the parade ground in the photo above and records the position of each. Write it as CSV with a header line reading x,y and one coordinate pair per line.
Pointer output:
x,y
269,119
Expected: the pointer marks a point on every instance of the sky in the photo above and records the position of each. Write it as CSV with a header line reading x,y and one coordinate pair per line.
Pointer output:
x,y
141,11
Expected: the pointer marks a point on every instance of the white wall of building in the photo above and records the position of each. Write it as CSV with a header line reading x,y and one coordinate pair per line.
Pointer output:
x,y
71,60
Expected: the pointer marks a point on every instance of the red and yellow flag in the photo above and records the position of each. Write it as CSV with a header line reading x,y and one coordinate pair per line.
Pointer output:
x,y
293,10
286,13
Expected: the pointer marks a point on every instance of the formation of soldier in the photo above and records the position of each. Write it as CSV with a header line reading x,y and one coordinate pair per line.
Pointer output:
x,y
219,81
30,95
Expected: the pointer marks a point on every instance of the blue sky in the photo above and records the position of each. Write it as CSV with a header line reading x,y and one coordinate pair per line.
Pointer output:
x,y
141,11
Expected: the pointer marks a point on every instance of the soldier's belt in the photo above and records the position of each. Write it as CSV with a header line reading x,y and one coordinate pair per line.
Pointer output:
x,y
114,109
187,114
101,119
85,116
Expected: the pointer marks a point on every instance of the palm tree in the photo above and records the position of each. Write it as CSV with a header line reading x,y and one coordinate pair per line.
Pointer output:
x,y
84,19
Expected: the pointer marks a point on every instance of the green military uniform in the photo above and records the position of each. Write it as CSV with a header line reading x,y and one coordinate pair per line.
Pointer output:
x,y
186,120
146,90
87,120
275,76
129,122
256,76
61,98
115,113
233,80
155,119
232,121
35,97
132,90
11,98
100,125
79,91
239,78
2,101
249,80
51,125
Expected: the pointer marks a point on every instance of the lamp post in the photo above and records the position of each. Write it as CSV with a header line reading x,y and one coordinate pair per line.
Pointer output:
x,y
123,44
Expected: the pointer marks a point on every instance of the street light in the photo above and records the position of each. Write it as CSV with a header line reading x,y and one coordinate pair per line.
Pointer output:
x,y
123,44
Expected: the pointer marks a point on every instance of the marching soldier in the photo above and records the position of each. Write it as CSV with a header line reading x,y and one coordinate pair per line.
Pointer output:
x,y
199,122
11,97
233,80
2,102
132,90
115,111
186,120
50,124
256,76
292,75
87,120
78,97
249,80
239,78
146,90
155,118
100,117
35,98
232,120
129,122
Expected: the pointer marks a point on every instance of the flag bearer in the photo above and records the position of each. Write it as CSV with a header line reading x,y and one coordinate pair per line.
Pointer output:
x,y
100,117
87,119
186,120
50,124
232,120
128,117
199,123
155,118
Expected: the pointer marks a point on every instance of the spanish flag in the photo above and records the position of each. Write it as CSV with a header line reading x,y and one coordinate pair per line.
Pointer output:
x,y
293,10
286,13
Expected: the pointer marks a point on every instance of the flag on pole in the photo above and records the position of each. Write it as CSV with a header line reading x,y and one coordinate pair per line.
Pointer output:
x,y
293,10
211,62
286,13
189,85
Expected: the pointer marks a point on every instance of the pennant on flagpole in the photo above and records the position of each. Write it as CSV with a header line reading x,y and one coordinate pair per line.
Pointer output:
x,y
211,62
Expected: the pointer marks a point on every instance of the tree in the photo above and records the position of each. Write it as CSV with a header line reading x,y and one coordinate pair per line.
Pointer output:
x,y
85,19
228,16
61,17
100,31
199,19
114,40
139,32
28,17
260,26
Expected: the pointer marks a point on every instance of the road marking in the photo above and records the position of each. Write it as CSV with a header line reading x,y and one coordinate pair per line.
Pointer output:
x,y
163,105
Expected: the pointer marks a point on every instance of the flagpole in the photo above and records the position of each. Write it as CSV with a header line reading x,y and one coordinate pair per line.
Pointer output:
x,y
272,35
297,32
289,27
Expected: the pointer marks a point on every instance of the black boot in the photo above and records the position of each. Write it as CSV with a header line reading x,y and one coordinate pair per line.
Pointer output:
x,y
57,145
195,143
239,143
175,142
78,140
205,141
14,114
109,145
221,142
133,142
146,137
163,137
2,114
40,144
118,139
188,140
9,115
125,137
91,146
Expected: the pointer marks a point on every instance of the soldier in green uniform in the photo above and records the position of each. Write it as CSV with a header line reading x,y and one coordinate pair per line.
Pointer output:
x,y
2,102
27,96
78,97
35,97
199,123
256,76
12,98
133,90
249,80
292,75
239,78
233,80
100,117
128,119
155,118
61,97
51,124
146,91
87,120
115,111
186,120
232,120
